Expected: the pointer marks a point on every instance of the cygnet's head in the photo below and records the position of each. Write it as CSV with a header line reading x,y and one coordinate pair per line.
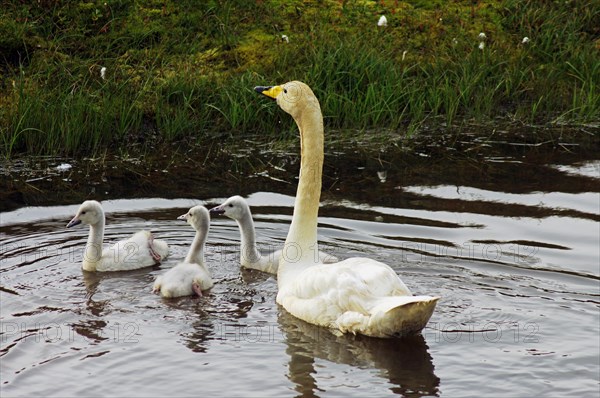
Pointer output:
x,y
235,208
293,97
90,212
197,217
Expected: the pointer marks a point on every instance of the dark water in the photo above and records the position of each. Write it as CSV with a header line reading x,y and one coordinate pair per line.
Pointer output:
x,y
507,234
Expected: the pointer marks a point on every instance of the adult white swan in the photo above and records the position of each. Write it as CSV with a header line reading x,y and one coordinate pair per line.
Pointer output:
x,y
191,276
237,209
138,251
357,295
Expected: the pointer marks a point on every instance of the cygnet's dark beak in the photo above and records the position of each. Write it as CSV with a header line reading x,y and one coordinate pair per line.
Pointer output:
x,y
217,210
73,222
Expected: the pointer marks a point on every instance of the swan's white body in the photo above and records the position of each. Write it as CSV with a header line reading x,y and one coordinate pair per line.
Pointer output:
x,y
357,295
191,276
237,209
138,251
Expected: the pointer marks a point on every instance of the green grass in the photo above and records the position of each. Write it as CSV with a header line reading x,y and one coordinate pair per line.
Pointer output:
x,y
184,70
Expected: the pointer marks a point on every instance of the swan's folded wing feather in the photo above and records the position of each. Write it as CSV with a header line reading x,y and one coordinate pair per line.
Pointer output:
x,y
360,276
127,254
321,293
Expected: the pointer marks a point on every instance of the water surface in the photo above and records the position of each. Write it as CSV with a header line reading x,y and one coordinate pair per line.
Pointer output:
x,y
508,239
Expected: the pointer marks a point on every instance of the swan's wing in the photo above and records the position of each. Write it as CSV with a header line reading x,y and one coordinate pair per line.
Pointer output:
x,y
321,293
139,244
359,296
361,277
128,254
326,258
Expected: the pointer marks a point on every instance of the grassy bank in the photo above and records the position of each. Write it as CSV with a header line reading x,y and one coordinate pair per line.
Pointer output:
x,y
181,70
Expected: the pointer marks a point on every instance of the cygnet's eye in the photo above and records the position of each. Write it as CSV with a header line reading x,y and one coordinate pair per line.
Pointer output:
x,y
285,90
230,205
82,213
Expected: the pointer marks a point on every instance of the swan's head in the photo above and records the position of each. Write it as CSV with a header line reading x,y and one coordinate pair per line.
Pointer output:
x,y
293,97
235,207
197,217
90,212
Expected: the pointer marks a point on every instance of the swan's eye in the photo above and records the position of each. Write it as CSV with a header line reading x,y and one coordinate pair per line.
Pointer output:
x,y
82,213
285,90
230,205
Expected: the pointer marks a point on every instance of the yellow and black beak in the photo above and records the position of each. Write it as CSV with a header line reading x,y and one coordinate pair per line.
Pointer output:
x,y
269,91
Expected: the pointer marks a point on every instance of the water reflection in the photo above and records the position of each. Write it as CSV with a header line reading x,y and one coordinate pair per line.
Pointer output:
x,y
405,363
211,317
198,340
92,280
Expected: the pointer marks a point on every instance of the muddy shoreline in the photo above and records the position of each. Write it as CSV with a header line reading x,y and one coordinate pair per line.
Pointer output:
x,y
183,170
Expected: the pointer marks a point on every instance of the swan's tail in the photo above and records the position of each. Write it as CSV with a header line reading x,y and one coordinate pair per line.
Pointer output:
x,y
401,315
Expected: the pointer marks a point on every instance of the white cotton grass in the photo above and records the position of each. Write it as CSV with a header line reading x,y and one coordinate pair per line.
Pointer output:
x,y
285,38
482,36
64,167
525,40
404,54
103,72
382,21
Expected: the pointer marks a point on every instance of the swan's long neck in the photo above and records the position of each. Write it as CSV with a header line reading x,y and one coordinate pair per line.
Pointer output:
x,y
196,253
93,248
249,252
301,243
